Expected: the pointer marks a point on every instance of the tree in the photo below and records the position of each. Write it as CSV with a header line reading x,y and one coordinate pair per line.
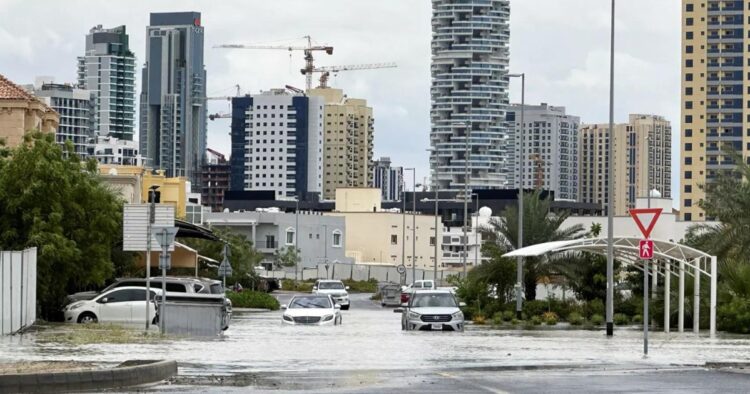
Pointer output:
x,y
286,257
243,256
539,225
51,200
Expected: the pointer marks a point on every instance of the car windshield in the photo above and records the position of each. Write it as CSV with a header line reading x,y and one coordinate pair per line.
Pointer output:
x,y
310,302
331,286
434,300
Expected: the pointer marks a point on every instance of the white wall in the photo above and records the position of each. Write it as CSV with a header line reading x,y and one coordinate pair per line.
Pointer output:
x,y
17,290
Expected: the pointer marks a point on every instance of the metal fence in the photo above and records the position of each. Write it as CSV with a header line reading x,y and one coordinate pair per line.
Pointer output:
x,y
17,290
341,271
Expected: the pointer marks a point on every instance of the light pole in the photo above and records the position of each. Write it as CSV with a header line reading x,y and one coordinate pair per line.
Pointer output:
x,y
467,135
610,181
296,240
437,220
648,171
151,220
519,259
476,232
414,221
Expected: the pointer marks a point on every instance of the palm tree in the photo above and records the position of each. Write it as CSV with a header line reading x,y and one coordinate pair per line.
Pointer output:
x,y
539,226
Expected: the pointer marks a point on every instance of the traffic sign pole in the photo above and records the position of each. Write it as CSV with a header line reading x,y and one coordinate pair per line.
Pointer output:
x,y
165,236
646,253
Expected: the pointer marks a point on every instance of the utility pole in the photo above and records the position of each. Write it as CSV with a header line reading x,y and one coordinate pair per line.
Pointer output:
x,y
519,259
296,241
437,220
414,226
611,182
466,192
151,220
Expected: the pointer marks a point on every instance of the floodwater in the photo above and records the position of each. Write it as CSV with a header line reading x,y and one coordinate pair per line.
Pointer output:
x,y
371,339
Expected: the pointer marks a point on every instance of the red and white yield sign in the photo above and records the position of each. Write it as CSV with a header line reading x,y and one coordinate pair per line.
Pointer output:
x,y
646,249
645,219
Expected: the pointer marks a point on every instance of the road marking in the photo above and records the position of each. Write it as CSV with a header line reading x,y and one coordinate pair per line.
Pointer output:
x,y
468,382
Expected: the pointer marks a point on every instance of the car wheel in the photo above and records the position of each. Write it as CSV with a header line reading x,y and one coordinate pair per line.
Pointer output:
x,y
87,318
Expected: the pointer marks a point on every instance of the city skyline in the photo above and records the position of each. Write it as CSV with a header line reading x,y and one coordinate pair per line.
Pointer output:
x,y
647,62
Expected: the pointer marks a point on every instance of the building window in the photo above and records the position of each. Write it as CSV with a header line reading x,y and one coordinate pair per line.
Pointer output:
x,y
394,239
688,189
689,7
432,241
688,217
689,21
688,91
688,202
290,236
688,105
688,119
688,132
689,77
688,161
689,49
689,63
688,147
689,35
336,238
688,175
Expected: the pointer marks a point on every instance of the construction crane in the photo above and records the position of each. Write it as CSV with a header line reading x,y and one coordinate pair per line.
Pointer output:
x,y
326,71
307,50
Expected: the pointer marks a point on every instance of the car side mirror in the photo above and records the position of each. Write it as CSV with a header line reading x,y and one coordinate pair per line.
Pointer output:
x,y
398,310
283,306
103,300
461,304
337,306
346,288
315,288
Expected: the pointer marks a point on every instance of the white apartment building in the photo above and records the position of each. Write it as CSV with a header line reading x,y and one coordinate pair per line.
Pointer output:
x,y
550,149
110,150
283,143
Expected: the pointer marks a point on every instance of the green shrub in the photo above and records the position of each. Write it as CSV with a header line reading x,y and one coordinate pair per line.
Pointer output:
x,y
509,315
637,319
514,321
535,307
361,286
575,319
479,319
597,319
497,319
735,316
302,286
536,320
620,319
593,307
253,299
549,318
376,297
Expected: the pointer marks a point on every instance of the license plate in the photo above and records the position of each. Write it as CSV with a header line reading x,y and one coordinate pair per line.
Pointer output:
x,y
437,326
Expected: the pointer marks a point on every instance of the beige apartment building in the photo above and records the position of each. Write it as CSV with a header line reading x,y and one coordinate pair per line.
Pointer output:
x,y
642,157
21,112
715,85
348,141
375,236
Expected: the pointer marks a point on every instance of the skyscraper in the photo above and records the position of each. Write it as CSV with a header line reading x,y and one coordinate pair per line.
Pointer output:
x,y
388,179
550,149
642,157
470,93
277,144
107,69
714,91
173,98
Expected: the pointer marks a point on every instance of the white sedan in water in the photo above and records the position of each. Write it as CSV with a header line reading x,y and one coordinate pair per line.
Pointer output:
x,y
317,310
121,305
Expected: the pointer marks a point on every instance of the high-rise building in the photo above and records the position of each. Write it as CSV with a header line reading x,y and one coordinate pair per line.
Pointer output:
x,y
714,89
277,143
111,150
214,180
75,107
550,154
107,69
348,141
388,179
642,150
21,112
470,57
173,98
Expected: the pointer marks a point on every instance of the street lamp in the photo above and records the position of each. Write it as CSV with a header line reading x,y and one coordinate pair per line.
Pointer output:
x,y
435,185
151,220
610,182
519,259
413,222
476,231
467,135
296,240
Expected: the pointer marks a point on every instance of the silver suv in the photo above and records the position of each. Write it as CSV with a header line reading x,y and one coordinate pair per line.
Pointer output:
x,y
432,310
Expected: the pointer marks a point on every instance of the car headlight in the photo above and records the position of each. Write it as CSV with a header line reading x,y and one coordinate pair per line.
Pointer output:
x,y
327,317
287,318
414,315
74,305
458,315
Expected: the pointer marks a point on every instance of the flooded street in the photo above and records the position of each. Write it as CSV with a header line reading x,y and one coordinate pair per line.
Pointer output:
x,y
371,339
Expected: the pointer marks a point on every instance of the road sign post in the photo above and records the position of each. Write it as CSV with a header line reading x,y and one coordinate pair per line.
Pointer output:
x,y
645,219
165,236
225,268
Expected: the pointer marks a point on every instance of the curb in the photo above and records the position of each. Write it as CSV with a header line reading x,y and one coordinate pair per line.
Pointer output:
x,y
130,373
728,364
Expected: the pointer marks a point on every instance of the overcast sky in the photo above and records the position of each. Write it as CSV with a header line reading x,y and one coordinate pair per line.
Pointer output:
x,y
561,45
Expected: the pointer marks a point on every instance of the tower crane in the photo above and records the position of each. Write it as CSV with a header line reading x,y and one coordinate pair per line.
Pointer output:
x,y
307,50
326,71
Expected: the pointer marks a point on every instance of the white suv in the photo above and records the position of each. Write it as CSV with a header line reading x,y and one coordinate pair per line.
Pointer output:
x,y
432,310
334,288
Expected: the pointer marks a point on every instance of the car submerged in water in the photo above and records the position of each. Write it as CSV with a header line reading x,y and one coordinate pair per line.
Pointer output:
x,y
334,288
432,310
317,310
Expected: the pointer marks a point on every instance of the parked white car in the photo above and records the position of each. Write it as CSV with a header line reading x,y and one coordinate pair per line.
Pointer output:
x,y
318,309
121,305
334,288
432,310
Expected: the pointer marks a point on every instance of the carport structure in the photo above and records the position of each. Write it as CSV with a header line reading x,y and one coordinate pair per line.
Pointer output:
x,y
670,259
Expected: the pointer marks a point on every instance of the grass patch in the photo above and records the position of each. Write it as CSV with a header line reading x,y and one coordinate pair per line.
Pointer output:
x,y
253,299
85,334
305,287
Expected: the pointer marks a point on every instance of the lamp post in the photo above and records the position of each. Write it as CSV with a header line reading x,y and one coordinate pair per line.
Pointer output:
x,y
467,135
414,220
296,240
648,171
610,182
437,220
519,259
151,220
476,231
